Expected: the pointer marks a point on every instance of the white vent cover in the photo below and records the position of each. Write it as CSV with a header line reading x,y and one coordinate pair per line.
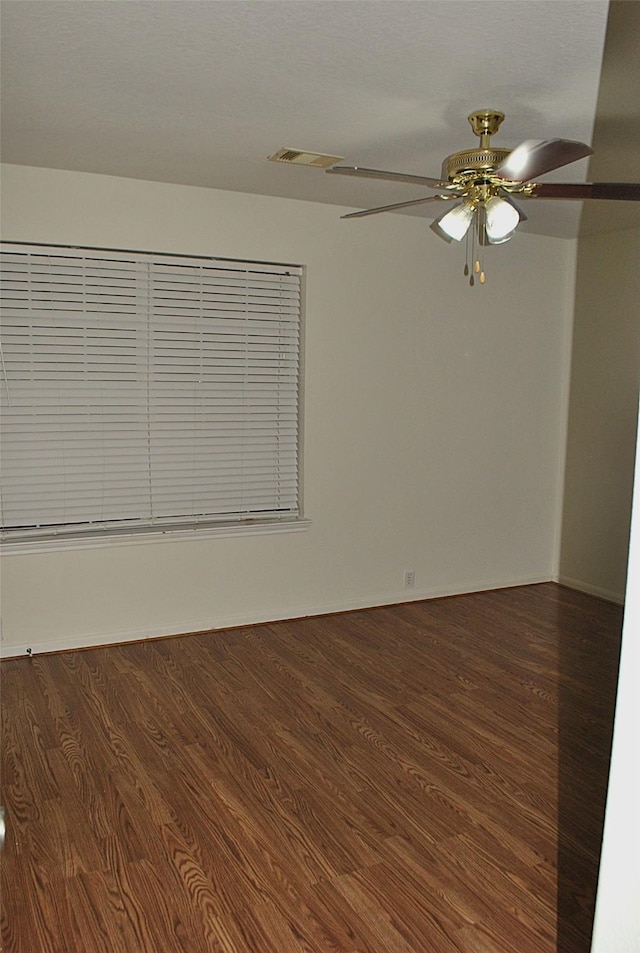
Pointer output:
x,y
298,157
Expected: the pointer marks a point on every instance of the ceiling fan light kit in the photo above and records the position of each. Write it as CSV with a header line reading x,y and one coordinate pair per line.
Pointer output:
x,y
502,219
484,181
456,223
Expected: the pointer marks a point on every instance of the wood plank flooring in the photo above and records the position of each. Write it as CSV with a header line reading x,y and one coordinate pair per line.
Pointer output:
x,y
427,777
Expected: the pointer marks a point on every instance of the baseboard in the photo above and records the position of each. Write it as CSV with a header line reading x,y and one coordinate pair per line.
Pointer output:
x,y
608,594
258,617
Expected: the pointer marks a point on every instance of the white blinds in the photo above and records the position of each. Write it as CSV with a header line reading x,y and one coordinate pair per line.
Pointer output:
x,y
143,391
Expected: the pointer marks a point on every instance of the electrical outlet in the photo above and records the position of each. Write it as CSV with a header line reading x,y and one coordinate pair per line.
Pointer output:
x,y
409,579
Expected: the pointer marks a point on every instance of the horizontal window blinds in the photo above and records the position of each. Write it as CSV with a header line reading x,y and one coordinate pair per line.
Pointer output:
x,y
143,391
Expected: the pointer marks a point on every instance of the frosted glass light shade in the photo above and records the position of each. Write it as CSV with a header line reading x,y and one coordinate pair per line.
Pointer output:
x,y
456,223
501,220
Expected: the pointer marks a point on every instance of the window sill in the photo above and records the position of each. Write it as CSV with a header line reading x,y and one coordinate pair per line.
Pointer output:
x,y
50,544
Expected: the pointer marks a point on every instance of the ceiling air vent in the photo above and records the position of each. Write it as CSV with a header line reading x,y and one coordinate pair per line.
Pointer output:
x,y
297,157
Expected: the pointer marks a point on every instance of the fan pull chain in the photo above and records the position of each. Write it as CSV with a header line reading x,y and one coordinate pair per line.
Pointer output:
x,y
479,262
472,280
466,255
474,256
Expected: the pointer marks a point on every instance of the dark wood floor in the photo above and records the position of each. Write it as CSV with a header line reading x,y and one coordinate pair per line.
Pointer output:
x,y
426,777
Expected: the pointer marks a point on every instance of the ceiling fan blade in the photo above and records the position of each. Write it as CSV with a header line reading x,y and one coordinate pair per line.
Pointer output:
x,y
537,156
391,208
621,191
390,176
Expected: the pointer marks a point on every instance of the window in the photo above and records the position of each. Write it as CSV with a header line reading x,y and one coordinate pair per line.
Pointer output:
x,y
146,392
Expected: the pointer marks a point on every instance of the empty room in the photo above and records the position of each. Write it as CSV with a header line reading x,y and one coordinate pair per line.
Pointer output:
x,y
319,375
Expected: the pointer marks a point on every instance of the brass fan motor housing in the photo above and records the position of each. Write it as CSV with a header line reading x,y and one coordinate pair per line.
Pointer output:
x,y
472,160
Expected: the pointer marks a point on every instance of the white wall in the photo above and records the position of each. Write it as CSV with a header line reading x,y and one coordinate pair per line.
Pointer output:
x,y
603,412
434,417
617,920
606,350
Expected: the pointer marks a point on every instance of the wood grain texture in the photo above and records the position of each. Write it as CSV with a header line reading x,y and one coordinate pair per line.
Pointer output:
x,y
427,777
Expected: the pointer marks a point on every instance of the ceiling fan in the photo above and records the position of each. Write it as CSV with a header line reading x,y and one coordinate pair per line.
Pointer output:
x,y
484,181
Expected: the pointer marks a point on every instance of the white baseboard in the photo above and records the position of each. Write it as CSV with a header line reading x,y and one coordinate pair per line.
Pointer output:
x,y
84,641
608,594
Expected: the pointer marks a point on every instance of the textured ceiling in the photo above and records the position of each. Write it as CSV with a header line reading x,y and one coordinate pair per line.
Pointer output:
x,y
200,93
